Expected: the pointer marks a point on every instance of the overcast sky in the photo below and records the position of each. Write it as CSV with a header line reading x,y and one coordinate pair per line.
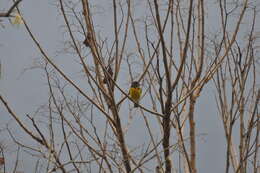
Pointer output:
x,y
26,90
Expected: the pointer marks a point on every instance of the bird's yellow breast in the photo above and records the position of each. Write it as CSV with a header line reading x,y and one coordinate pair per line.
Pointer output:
x,y
135,93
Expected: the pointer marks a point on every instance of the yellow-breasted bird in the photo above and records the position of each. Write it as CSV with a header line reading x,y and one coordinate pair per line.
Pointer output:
x,y
135,92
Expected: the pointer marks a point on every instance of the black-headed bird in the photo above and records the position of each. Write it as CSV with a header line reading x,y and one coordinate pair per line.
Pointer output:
x,y
135,92
158,169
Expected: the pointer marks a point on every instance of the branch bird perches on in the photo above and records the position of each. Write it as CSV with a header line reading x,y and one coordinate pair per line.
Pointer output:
x,y
8,13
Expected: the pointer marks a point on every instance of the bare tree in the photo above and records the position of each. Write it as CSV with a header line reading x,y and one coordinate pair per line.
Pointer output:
x,y
171,50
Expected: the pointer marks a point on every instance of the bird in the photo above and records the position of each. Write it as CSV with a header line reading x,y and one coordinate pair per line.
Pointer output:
x,y
158,169
108,75
135,92
17,19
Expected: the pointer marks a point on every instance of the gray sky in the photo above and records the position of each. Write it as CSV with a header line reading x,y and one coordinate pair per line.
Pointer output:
x,y
26,91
